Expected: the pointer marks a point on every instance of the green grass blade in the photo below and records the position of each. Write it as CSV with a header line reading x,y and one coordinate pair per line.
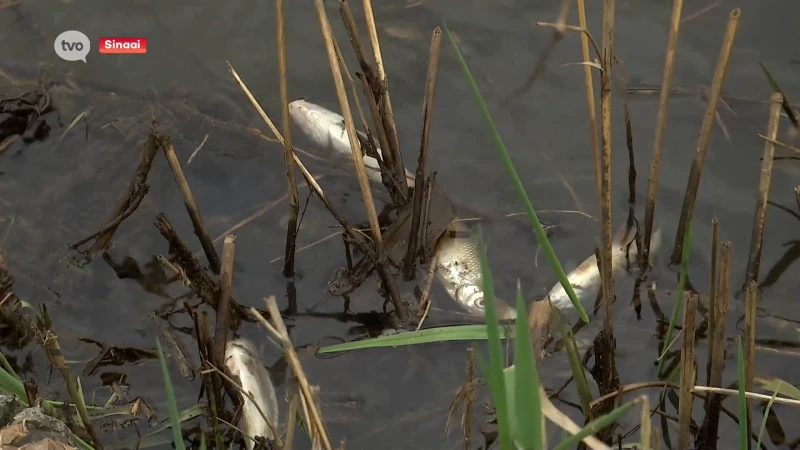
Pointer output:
x,y
575,363
7,366
597,424
526,388
744,436
512,171
766,413
430,335
10,384
495,369
777,385
172,405
687,248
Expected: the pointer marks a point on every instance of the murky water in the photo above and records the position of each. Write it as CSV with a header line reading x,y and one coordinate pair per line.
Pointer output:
x,y
61,190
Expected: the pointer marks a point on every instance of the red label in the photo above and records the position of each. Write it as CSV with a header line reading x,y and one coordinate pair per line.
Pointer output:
x,y
122,45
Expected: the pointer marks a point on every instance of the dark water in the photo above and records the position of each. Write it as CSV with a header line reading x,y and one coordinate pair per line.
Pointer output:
x,y
60,191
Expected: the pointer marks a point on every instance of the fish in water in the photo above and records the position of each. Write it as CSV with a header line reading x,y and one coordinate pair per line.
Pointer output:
x,y
459,268
327,130
585,279
459,271
246,368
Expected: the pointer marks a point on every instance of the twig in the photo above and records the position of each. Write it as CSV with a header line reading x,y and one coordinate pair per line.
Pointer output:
x,y
135,200
780,144
191,205
712,297
705,133
409,264
191,157
146,156
545,55
757,236
424,301
291,182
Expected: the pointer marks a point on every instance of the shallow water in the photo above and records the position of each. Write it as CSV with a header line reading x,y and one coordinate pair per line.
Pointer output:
x,y
59,191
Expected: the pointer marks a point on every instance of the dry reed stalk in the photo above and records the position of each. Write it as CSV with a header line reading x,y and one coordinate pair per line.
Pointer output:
x,y
191,205
223,306
358,161
387,113
590,104
687,372
398,187
712,296
312,182
751,306
661,128
279,332
705,133
410,263
757,236
291,422
707,437
146,157
291,183
605,182
646,425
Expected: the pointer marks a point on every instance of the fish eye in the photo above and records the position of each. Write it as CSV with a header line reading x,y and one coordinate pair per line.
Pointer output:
x,y
480,302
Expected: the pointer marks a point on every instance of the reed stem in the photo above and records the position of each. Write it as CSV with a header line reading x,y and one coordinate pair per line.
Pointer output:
x,y
590,103
661,128
419,179
387,113
705,132
687,372
757,237
291,182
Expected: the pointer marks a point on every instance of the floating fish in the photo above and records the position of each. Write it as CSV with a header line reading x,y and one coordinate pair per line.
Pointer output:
x,y
327,130
585,279
246,368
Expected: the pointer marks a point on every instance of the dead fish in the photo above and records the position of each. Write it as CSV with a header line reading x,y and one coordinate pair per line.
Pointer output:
x,y
585,279
459,268
246,368
327,130
459,271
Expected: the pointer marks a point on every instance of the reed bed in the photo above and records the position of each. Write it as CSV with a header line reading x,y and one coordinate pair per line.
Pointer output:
x,y
522,407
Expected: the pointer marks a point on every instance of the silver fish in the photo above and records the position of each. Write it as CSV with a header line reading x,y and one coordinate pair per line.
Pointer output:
x,y
245,367
327,130
459,268
585,279
459,271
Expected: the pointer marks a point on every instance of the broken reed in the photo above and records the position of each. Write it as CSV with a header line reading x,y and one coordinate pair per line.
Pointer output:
x,y
661,128
409,265
291,183
705,132
760,216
